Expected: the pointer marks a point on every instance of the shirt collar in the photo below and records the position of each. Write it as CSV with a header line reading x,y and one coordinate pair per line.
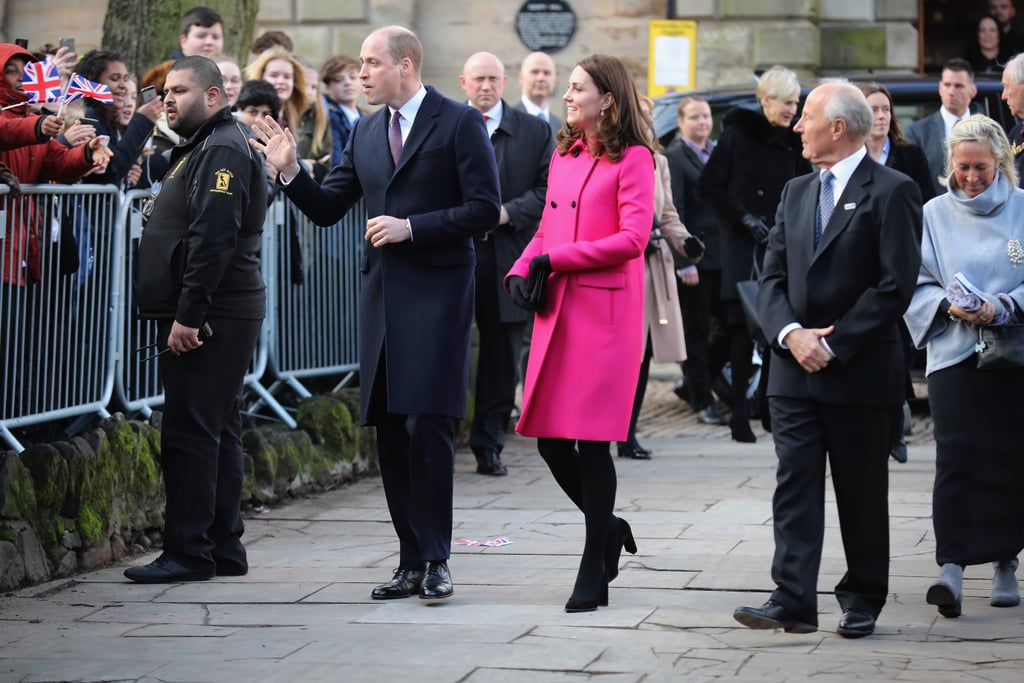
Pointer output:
x,y
532,109
843,170
412,107
949,118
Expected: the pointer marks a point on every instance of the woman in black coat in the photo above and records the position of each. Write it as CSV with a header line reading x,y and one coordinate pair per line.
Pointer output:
x,y
756,155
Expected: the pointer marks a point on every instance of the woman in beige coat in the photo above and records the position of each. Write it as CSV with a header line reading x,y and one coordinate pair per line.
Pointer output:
x,y
663,320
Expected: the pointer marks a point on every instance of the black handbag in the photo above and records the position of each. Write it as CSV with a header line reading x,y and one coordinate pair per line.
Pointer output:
x,y
1000,346
746,290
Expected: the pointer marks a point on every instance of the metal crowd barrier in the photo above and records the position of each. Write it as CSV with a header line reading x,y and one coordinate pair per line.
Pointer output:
x,y
313,318
58,302
68,343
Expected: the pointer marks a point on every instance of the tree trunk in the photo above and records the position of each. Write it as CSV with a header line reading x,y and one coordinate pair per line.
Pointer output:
x,y
146,33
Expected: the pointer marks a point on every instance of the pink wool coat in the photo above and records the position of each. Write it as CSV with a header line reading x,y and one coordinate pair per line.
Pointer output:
x,y
588,340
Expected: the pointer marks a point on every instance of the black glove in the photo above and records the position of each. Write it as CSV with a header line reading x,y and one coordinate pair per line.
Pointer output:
x,y
756,227
694,248
8,178
653,243
519,292
540,268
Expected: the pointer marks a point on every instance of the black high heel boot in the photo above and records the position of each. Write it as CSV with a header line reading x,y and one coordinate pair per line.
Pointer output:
x,y
583,600
620,536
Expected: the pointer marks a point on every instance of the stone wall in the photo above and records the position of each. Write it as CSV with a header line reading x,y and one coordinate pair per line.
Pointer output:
x,y
734,36
77,505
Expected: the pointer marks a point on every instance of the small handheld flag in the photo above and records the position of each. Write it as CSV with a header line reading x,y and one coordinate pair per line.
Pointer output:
x,y
82,87
41,82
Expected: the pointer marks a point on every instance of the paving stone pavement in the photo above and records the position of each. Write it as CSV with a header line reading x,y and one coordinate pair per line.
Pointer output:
x,y
701,512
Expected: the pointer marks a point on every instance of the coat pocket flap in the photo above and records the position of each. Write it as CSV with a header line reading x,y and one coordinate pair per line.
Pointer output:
x,y
603,280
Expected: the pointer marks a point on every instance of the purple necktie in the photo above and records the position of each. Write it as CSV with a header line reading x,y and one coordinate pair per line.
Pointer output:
x,y
395,136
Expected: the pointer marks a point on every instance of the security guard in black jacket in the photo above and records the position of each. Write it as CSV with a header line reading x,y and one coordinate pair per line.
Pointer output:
x,y
199,277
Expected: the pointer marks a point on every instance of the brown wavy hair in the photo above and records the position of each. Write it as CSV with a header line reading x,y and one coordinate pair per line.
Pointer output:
x,y
895,130
622,124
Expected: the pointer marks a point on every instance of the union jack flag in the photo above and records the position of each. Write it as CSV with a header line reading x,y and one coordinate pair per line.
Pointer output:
x,y
41,82
79,87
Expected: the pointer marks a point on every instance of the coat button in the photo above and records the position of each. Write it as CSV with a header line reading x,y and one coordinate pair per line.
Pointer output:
x,y
574,203
554,205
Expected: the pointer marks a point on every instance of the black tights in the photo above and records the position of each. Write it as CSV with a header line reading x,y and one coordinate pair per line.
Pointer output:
x,y
588,478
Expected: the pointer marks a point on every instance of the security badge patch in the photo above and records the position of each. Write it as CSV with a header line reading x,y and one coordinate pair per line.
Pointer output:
x,y
222,181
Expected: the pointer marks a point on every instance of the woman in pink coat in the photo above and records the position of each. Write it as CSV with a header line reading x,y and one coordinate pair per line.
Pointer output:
x,y
588,334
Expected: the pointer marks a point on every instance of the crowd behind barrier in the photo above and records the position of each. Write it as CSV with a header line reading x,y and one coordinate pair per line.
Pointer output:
x,y
71,344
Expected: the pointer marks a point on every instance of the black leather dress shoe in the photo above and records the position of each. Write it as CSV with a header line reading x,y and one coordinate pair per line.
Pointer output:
x,y
437,582
632,449
856,624
489,462
772,615
164,570
899,451
406,582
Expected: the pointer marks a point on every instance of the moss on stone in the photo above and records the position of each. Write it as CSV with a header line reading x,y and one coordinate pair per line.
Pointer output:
x,y
49,472
19,494
8,534
328,421
51,530
90,525
264,459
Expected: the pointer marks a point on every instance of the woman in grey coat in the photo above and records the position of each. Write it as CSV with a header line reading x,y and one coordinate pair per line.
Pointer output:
x,y
972,276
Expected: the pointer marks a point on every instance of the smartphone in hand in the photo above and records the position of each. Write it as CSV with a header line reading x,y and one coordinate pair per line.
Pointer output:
x,y
148,94
69,43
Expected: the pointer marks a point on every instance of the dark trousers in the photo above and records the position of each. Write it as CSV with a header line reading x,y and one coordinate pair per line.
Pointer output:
x,y
416,454
854,442
201,446
707,348
641,389
496,371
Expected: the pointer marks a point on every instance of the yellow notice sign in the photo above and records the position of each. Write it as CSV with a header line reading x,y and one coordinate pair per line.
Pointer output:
x,y
671,56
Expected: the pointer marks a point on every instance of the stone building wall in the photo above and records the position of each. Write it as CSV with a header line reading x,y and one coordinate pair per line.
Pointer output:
x,y
734,36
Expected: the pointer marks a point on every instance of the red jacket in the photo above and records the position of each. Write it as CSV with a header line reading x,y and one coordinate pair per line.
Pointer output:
x,y
36,159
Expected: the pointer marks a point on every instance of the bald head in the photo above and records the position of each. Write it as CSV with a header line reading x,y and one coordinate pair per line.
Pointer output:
x,y
483,80
537,77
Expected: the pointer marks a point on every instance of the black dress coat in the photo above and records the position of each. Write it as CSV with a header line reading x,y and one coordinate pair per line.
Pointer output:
x,y
685,169
745,174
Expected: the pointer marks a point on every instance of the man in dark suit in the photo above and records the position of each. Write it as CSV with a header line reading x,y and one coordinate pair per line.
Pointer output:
x,y
426,170
840,269
537,79
522,147
956,88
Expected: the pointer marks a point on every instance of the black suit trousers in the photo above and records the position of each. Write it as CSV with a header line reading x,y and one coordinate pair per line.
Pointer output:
x,y
201,446
416,455
497,359
854,442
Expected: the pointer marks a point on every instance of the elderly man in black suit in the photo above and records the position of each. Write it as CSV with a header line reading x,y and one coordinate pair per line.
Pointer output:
x,y
840,269
426,170
522,148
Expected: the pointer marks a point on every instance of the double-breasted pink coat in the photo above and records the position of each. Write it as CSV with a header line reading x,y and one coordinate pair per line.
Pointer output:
x,y
588,340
